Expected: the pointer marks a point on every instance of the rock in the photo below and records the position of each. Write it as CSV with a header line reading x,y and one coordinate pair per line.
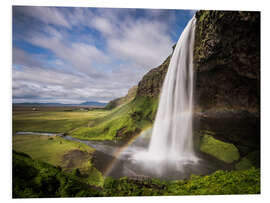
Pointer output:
x,y
227,68
250,160
244,164
227,60
223,151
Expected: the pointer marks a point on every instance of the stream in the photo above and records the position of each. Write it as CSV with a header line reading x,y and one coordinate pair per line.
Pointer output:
x,y
115,159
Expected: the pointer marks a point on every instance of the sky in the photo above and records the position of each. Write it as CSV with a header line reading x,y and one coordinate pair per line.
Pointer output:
x,y
72,55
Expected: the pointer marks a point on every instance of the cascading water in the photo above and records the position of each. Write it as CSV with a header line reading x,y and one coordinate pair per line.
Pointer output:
x,y
171,144
170,154
172,131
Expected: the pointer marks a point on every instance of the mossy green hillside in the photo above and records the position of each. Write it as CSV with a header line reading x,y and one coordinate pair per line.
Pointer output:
x,y
121,122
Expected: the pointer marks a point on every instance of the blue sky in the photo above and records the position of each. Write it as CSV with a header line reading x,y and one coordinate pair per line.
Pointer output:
x,y
72,55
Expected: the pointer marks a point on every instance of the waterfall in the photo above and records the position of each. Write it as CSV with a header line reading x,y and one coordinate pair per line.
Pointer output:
x,y
172,131
171,146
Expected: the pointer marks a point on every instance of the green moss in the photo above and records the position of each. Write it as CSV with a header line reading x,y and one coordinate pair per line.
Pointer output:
x,y
221,150
243,164
203,16
146,107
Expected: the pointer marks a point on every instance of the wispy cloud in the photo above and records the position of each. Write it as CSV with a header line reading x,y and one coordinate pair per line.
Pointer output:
x,y
78,54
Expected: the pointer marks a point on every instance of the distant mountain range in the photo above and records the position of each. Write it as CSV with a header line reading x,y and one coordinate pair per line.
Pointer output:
x,y
92,103
88,103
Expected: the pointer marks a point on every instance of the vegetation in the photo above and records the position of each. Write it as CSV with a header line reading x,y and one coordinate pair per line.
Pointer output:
x,y
220,182
99,124
48,149
53,121
122,100
121,122
57,151
33,178
221,150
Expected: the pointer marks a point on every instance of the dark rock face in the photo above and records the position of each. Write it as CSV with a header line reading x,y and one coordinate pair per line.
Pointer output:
x,y
227,67
227,60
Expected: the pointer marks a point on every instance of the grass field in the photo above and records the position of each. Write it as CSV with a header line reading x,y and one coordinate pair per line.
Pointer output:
x,y
96,124
54,120
57,151
49,149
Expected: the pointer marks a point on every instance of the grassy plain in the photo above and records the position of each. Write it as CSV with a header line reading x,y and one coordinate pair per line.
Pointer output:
x,y
97,124
54,119
57,151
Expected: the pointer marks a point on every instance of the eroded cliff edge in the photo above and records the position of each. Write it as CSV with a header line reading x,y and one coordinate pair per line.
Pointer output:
x,y
226,62
227,69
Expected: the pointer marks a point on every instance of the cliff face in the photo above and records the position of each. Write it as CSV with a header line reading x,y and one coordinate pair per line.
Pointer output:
x,y
227,60
151,83
227,69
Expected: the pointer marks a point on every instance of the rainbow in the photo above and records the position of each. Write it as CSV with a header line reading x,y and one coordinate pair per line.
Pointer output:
x,y
118,152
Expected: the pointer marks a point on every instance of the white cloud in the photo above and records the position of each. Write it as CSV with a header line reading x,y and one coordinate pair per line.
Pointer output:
x,y
39,84
103,25
144,43
48,15
80,56
80,70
